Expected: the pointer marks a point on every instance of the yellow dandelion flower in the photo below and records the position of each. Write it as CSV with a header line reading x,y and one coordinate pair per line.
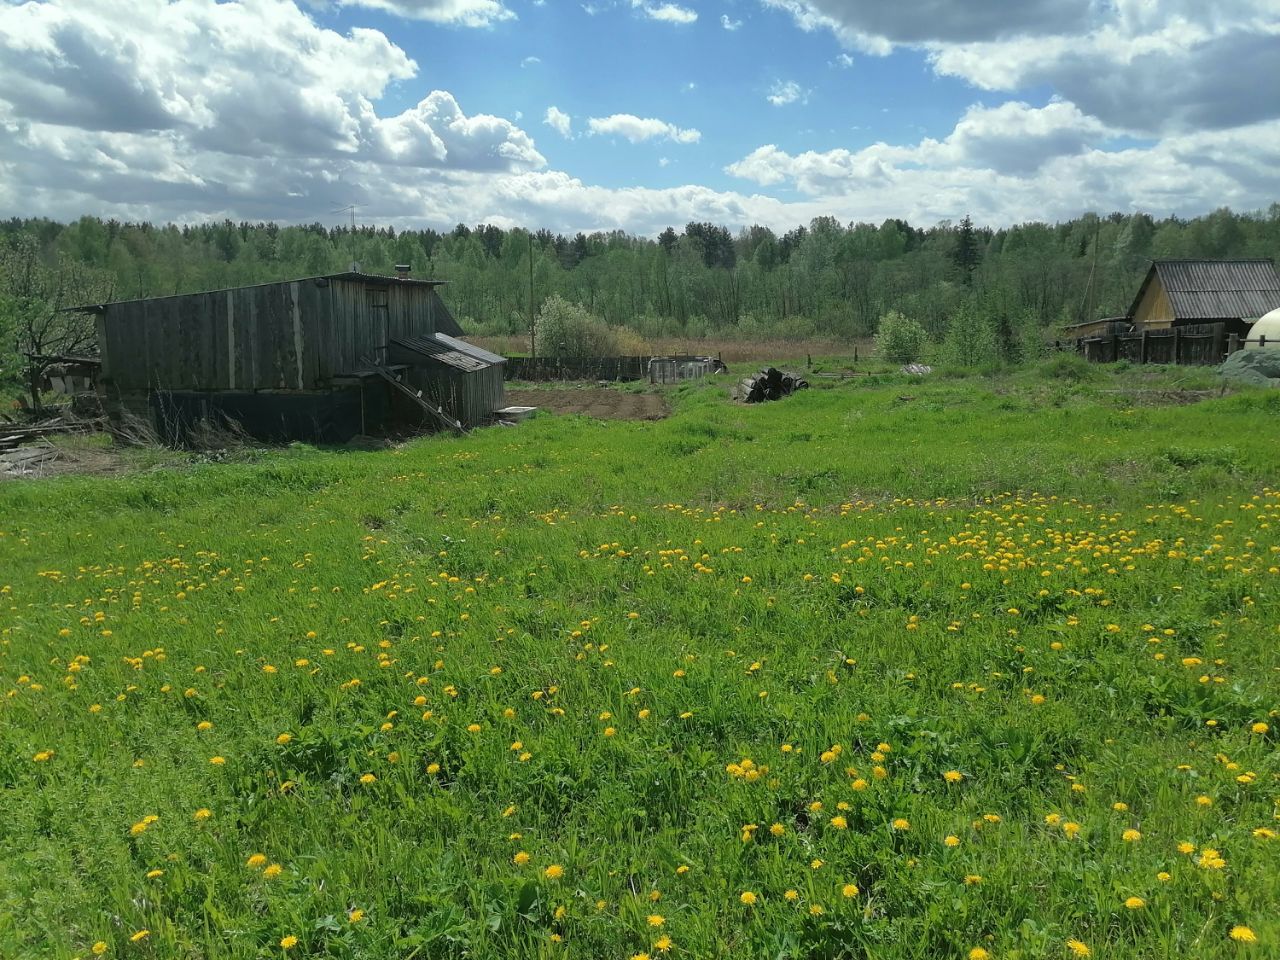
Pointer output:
x,y
284,738
520,859
655,919
839,823
681,870
1079,948
849,891
553,872
902,823
791,896
747,898
953,776
204,813
1135,903
256,861
288,942
273,871
139,936
1131,836
662,944
951,840
154,874
777,829
1242,934
977,953
355,916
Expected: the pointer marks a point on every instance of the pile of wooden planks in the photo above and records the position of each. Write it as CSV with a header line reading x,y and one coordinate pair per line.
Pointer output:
x,y
770,384
14,435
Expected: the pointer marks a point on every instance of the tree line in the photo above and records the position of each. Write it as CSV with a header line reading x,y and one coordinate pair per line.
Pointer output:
x,y
826,278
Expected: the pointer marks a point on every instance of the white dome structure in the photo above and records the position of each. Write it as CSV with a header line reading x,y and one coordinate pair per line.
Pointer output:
x,y
1268,326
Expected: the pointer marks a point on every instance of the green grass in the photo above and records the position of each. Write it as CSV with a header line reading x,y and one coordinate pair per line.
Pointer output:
x,y
1063,593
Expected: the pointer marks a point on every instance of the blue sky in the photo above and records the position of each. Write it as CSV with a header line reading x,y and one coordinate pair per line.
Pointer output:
x,y
697,75
432,112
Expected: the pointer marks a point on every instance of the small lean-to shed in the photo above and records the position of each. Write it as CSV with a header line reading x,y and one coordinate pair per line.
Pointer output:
x,y
1179,293
462,378
291,360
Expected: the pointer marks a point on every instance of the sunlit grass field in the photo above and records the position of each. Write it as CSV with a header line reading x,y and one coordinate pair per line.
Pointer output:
x,y
960,668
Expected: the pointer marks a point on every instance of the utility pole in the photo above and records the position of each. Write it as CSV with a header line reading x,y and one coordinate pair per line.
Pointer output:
x,y
533,346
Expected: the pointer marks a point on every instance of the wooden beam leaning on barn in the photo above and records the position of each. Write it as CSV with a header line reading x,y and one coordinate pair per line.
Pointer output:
x,y
396,380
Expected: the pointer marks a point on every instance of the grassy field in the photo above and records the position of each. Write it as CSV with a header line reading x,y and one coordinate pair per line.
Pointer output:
x,y
958,668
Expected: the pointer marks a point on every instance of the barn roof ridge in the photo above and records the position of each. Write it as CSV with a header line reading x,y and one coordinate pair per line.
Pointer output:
x,y
380,279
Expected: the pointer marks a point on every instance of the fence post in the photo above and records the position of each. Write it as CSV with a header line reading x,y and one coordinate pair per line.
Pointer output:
x,y
1219,336
1142,354
1233,343
1177,345
1115,348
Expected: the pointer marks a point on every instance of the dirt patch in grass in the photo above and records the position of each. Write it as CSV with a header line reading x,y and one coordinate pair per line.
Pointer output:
x,y
599,402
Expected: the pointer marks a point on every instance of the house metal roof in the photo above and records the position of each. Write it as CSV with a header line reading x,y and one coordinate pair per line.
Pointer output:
x,y
451,351
1215,289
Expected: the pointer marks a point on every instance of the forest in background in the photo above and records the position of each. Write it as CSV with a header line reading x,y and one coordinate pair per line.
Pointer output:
x,y
826,279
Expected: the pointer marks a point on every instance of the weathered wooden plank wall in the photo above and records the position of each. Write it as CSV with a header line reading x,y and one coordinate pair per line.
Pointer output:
x,y
279,336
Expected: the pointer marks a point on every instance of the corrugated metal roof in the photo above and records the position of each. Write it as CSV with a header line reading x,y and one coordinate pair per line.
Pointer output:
x,y
480,353
448,350
1219,289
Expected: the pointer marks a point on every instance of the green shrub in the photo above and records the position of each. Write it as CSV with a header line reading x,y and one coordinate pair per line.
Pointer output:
x,y
900,339
569,330
1068,366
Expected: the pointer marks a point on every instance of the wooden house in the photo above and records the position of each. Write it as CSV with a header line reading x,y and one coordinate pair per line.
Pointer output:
x,y
311,359
1180,293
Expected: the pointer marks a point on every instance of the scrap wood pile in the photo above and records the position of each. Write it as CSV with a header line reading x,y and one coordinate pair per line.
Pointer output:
x,y
24,447
770,384
14,434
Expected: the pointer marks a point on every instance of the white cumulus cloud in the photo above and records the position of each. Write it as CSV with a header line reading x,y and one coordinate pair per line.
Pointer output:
x,y
467,13
638,129
785,92
559,121
665,12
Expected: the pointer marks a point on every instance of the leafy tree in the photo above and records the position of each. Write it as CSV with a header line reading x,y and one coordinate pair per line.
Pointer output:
x,y
33,314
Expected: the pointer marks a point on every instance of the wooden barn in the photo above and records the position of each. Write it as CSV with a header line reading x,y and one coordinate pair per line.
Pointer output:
x,y
1179,293
322,358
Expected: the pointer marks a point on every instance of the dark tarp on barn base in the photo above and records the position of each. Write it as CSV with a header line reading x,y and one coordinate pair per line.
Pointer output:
x,y
333,416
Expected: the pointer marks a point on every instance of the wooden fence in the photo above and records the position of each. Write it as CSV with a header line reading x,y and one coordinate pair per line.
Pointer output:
x,y
577,368
1204,344
670,369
